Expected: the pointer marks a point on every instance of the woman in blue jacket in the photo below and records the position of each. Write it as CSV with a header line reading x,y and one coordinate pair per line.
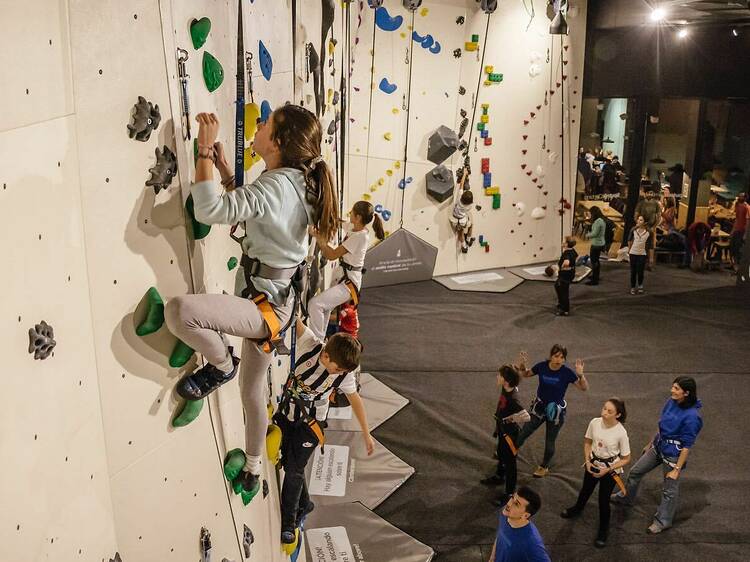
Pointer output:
x,y
679,425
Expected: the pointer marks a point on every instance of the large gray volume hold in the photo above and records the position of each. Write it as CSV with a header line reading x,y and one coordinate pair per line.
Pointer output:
x,y
441,145
440,183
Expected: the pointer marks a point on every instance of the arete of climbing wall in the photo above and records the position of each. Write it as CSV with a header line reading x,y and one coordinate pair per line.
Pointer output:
x,y
96,166
448,61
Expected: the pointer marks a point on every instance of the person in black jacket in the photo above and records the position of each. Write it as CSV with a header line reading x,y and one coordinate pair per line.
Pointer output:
x,y
508,415
566,274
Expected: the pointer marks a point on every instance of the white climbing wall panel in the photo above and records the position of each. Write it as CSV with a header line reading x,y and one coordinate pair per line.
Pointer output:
x,y
511,43
55,489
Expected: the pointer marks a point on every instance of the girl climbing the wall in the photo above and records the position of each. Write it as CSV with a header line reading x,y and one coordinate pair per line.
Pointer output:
x,y
351,256
295,191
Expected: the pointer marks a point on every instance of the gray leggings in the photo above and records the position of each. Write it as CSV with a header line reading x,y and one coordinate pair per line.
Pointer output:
x,y
198,320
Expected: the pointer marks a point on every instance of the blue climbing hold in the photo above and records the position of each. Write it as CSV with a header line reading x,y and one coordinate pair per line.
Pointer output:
x,y
428,41
265,111
417,37
403,183
266,62
385,22
386,214
387,87
436,48
378,208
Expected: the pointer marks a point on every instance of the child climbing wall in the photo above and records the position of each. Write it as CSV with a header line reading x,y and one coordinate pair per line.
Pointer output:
x,y
505,73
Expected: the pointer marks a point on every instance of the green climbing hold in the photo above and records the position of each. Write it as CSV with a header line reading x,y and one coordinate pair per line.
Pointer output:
x,y
232,263
154,313
195,151
495,200
187,412
248,495
181,354
200,230
199,30
234,461
213,73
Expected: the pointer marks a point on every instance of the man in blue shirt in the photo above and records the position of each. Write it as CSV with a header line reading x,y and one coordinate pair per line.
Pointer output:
x,y
518,539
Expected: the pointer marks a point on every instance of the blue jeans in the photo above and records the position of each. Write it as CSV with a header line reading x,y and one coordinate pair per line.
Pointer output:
x,y
670,491
550,436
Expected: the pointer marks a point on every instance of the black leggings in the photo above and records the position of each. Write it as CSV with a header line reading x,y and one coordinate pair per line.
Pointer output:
x,y
637,267
606,485
506,460
594,254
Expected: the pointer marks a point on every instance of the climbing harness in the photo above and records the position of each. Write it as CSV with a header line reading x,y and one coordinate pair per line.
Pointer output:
x,y
616,477
353,290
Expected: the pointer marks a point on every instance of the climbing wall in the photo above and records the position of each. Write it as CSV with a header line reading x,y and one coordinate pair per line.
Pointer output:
x,y
54,464
527,109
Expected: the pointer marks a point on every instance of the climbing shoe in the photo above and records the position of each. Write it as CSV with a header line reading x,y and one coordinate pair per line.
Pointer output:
x,y
303,512
205,380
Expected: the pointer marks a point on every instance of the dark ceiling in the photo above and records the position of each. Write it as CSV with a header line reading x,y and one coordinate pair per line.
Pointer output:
x,y
608,14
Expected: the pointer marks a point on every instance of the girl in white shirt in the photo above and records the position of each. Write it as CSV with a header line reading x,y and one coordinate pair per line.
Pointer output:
x,y
606,449
638,245
351,256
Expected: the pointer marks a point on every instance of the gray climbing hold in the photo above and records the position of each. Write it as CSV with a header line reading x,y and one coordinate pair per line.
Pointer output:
x,y
164,171
412,4
41,340
332,127
116,558
488,6
464,124
441,145
461,90
265,489
463,145
247,540
205,545
146,118
440,183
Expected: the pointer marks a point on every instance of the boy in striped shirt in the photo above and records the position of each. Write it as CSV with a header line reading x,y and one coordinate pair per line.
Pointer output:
x,y
320,368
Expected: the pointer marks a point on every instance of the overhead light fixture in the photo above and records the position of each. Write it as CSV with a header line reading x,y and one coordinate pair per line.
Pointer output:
x,y
658,14
682,33
608,140
559,25
658,160
735,32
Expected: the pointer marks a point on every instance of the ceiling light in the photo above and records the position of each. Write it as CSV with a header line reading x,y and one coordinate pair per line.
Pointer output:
x,y
658,14
682,33
735,33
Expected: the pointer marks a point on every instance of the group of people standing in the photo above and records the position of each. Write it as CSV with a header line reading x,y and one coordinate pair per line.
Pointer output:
x,y
606,452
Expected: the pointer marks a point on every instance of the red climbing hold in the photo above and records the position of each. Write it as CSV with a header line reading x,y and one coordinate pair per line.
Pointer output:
x,y
524,151
523,166
538,107
525,137
532,114
525,122
528,173
534,180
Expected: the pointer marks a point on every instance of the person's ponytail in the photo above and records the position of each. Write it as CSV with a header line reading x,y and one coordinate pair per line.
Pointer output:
x,y
326,207
366,212
377,227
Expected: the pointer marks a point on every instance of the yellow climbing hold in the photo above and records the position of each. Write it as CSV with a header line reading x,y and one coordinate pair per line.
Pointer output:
x,y
403,35
410,28
397,164
252,113
373,188
387,233
330,95
366,196
489,69
484,118
251,158
381,181
389,173
331,47
395,110
387,136
492,191
423,12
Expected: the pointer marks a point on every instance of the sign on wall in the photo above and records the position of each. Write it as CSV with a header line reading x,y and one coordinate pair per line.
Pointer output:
x,y
400,258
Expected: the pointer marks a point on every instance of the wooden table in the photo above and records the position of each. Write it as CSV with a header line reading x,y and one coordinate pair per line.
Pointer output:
x,y
607,211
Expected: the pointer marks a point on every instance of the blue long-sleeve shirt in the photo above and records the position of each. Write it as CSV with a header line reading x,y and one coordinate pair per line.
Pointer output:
x,y
276,215
596,235
678,424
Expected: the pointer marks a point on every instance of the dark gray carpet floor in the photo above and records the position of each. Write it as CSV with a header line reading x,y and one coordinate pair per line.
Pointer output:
x,y
440,349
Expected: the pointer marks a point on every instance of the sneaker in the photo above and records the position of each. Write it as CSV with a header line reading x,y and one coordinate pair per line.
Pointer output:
x,y
632,291
201,383
655,528
494,480
540,472
570,512
619,499
559,312
640,290
590,282
601,540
